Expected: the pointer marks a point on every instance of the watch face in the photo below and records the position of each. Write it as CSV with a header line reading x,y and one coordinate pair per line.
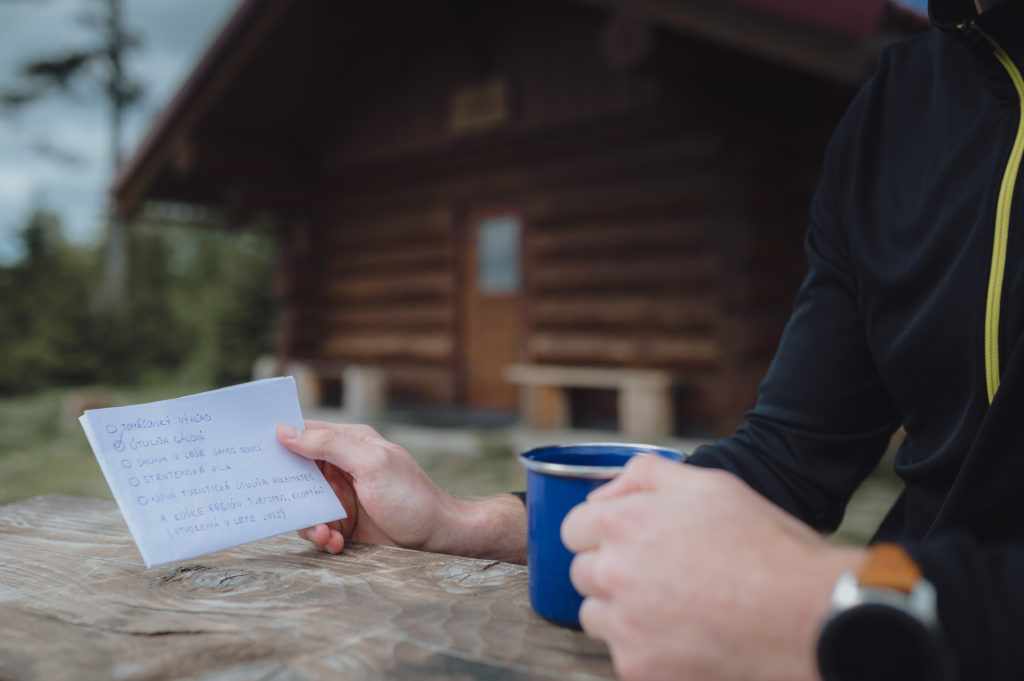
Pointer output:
x,y
878,642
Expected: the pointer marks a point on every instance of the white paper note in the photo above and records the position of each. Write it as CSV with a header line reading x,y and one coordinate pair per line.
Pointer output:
x,y
206,472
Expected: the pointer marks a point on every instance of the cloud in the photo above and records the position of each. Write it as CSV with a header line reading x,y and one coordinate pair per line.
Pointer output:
x,y
174,35
919,6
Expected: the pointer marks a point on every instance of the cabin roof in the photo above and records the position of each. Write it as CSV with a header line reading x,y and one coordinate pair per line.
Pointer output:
x,y
264,42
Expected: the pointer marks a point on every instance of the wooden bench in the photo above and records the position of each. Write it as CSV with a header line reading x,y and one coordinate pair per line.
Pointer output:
x,y
644,395
364,388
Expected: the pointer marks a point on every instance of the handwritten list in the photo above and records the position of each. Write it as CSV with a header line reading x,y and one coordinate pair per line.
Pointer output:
x,y
206,472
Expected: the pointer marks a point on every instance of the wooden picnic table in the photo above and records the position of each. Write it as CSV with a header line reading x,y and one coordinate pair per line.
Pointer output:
x,y
76,602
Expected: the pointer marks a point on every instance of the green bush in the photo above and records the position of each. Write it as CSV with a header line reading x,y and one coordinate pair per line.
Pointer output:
x,y
197,300
47,334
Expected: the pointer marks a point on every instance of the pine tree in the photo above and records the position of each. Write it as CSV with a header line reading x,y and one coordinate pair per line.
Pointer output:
x,y
101,66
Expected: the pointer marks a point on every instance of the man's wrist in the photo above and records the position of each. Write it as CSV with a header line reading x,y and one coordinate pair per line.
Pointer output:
x,y
489,527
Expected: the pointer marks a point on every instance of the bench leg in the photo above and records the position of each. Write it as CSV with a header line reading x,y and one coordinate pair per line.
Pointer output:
x,y
307,383
544,406
364,392
645,411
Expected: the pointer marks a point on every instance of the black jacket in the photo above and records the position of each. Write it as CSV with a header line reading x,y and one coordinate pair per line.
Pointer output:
x,y
913,314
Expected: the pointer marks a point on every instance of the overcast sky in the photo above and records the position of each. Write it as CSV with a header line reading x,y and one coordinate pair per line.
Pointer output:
x,y
920,6
174,33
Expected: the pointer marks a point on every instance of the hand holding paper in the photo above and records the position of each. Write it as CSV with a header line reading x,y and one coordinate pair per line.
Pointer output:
x,y
206,472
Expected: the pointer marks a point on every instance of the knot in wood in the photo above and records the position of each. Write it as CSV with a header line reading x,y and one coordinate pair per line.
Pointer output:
x,y
202,577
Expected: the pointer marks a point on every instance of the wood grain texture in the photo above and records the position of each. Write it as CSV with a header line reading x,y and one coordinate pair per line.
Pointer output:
x,y
77,603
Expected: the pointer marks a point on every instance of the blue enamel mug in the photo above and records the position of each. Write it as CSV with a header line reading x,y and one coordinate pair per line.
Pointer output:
x,y
558,477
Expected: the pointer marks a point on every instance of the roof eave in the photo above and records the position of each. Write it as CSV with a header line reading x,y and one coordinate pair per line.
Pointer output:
x,y
836,57
169,134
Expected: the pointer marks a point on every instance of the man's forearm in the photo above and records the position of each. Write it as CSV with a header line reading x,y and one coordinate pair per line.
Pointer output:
x,y
490,527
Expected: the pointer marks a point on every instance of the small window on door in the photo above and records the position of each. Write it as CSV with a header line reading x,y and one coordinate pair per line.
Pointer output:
x,y
498,255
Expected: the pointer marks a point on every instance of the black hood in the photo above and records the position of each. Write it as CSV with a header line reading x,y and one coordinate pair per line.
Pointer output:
x,y
1000,21
947,14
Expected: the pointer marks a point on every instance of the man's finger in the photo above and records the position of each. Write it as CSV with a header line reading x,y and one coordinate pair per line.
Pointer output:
x,y
590,525
356,431
580,531
334,446
642,473
594,617
317,535
324,538
583,573
335,542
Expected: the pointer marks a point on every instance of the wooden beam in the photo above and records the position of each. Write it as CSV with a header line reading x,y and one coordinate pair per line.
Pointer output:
x,y
588,376
623,349
240,198
367,346
657,196
641,139
624,311
355,231
612,273
438,315
836,57
675,233
398,257
237,159
415,285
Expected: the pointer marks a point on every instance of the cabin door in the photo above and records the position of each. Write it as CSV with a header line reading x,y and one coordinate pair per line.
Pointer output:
x,y
492,320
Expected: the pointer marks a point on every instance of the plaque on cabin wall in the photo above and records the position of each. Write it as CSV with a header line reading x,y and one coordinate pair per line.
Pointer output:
x,y
479,107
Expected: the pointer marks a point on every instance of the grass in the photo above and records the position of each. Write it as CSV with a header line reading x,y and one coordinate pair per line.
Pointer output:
x,y
43,449
492,470
872,500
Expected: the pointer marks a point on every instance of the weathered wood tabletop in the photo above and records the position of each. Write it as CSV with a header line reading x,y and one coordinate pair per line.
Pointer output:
x,y
76,602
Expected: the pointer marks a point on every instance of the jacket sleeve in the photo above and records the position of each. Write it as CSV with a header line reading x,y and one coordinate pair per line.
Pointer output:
x,y
823,416
822,420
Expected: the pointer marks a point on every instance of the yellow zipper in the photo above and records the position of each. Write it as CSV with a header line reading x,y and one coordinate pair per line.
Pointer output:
x,y
1002,231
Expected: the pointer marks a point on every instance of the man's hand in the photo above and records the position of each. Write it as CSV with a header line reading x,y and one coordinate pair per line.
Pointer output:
x,y
390,500
689,573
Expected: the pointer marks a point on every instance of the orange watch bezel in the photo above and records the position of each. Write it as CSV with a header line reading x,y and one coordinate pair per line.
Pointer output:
x,y
889,566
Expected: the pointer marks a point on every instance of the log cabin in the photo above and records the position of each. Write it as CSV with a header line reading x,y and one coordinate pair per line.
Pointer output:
x,y
525,204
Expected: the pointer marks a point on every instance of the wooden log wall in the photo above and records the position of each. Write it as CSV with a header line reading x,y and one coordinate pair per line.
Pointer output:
x,y
623,269
390,297
759,249
619,267
669,249
663,227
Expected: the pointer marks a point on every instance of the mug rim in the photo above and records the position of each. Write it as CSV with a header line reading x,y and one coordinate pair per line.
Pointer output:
x,y
583,471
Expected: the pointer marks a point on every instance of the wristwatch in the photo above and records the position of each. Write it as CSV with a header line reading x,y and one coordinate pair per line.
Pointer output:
x,y
883,623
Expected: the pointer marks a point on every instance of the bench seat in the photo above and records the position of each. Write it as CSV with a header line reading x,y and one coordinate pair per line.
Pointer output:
x,y
644,395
